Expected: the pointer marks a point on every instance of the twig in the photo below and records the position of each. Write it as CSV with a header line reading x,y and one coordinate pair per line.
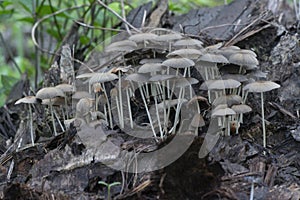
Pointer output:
x,y
44,18
118,16
124,17
95,27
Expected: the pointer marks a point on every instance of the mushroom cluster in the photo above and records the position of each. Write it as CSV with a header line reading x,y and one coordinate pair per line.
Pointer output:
x,y
151,76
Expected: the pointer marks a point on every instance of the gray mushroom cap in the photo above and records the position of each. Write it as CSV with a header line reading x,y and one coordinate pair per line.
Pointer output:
x,y
220,84
243,58
102,77
49,93
178,62
185,53
141,37
124,45
65,87
230,100
261,86
150,67
189,42
223,112
241,108
27,100
213,57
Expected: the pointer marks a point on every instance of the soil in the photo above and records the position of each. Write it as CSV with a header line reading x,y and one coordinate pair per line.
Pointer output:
x,y
70,167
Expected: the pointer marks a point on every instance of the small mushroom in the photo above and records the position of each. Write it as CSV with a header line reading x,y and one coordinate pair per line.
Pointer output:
x,y
50,93
29,100
66,88
226,113
102,78
240,109
261,87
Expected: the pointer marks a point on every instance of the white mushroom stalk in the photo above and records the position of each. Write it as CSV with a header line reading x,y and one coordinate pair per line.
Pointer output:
x,y
50,93
29,100
261,87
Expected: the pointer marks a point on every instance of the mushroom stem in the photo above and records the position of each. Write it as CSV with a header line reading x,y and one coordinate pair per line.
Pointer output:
x,y
181,93
129,108
158,117
31,125
121,102
61,126
108,106
148,113
52,117
263,121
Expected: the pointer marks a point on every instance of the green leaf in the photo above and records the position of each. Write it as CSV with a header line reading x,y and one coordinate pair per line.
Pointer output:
x,y
7,82
84,39
27,5
30,20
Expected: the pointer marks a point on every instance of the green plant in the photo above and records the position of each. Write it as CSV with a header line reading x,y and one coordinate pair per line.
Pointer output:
x,y
108,185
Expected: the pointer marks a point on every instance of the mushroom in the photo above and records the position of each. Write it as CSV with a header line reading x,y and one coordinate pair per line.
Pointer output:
x,y
50,93
244,58
179,63
102,78
29,100
261,87
143,37
240,109
83,108
66,88
211,71
224,112
169,38
140,79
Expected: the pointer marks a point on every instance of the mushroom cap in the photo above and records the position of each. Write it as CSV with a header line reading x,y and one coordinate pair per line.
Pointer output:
x,y
261,86
83,106
220,84
150,67
222,112
85,75
65,87
241,108
49,93
213,57
140,37
183,81
243,58
238,77
189,42
81,94
102,77
168,37
140,78
56,101
124,45
185,53
197,121
27,100
230,100
178,62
